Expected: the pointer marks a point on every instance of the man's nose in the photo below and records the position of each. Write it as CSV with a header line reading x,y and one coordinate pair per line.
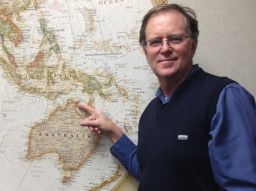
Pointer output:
x,y
165,46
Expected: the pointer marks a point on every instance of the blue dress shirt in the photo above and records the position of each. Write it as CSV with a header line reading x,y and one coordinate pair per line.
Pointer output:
x,y
232,148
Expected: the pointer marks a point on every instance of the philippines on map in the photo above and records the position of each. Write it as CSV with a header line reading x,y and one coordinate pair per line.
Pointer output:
x,y
53,55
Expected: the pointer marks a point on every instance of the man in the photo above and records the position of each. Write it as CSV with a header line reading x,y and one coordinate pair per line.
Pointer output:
x,y
199,133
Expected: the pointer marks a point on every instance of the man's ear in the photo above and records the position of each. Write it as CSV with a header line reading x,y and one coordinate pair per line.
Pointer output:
x,y
194,46
144,50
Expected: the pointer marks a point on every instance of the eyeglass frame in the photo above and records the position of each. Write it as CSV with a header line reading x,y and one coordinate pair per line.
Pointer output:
x,y
171,40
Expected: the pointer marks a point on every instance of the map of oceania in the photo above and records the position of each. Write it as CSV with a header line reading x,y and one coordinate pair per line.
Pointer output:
x,y
55,54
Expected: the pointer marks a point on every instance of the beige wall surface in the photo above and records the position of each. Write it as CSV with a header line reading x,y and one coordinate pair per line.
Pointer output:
x,y
227,41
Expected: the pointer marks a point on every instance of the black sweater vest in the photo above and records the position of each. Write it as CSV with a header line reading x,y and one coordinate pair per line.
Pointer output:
x,y
173,139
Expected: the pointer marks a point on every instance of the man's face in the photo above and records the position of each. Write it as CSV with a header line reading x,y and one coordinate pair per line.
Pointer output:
x,y
169,60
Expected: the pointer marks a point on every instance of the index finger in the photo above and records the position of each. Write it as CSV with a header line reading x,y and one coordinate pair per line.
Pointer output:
x,y
85,107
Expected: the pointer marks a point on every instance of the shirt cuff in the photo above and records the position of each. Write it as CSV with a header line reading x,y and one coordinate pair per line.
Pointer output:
x,y
123,148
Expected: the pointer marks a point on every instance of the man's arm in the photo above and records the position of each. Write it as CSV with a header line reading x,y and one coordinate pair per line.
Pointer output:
x,y
232,148
126,152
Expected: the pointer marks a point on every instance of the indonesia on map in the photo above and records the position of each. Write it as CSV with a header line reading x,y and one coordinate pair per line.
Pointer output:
x,y
53,55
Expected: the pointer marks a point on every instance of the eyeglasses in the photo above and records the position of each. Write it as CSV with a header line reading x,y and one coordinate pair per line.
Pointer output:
x,y
171,40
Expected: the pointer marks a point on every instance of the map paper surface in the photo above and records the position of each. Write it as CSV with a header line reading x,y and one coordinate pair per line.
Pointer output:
x,y
53,55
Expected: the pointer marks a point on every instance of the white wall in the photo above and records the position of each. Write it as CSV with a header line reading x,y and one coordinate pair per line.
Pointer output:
x,y
227,40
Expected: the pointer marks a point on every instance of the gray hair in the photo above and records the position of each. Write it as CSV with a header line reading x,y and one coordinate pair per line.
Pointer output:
x,y
190,15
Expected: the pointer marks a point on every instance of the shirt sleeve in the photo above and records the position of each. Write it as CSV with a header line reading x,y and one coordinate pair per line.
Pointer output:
x,y
232,148
126,152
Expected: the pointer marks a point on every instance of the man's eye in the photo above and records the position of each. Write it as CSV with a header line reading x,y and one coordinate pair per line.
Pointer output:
x,y
175,40
155,42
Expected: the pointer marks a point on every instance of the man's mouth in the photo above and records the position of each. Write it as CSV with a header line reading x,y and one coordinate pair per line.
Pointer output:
x,y
168,60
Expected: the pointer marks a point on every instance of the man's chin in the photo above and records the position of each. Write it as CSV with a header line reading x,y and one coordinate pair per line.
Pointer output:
x,y
166,73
